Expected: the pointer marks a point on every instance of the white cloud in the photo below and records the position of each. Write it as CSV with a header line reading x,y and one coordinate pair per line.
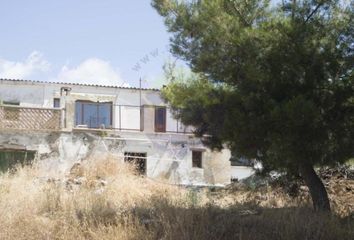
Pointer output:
x,y
91,71
34,63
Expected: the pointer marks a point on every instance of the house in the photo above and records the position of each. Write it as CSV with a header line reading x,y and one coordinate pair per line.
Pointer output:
x,y
63,123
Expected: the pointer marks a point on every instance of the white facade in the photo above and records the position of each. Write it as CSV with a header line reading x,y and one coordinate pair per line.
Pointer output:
x,y
37,94
169,153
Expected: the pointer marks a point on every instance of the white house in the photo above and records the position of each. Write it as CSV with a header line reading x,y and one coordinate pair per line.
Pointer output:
x,y
63,123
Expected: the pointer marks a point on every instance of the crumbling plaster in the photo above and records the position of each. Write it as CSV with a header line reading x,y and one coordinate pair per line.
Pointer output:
x,y
168,159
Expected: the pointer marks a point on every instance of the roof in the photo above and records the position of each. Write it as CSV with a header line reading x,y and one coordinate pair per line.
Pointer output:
x,y
77,84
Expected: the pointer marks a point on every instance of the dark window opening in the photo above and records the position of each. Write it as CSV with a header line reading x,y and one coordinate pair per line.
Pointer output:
x,y
160,119
138,159
93,115
197,159
9,159
56,103
11,103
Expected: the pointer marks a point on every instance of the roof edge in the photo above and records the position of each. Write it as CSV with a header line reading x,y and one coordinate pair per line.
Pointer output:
x,y
78,84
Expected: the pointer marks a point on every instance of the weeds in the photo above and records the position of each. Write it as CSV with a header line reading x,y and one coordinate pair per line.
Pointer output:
x,y
105,199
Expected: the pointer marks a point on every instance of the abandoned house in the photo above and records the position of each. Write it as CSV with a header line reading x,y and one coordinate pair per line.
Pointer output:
x,y
64,123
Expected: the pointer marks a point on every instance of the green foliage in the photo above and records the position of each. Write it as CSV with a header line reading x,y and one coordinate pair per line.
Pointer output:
x,y
273,83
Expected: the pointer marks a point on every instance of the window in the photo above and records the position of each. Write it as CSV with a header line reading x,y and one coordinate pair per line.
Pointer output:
x,y
138,159
10,158
160,119
93,115
197,159
56,103
11,103
11,113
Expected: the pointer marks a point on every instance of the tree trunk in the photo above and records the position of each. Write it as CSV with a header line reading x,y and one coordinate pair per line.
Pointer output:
x,y
317,190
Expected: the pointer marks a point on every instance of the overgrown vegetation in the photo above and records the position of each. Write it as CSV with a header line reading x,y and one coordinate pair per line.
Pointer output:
x,y
273,82
104,199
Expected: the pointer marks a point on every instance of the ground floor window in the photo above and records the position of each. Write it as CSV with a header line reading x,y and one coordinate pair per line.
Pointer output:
x,y
197,159
93,114
138,159
10,158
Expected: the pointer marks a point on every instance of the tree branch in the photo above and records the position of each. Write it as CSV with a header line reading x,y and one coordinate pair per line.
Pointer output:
x,y
241,16
314,11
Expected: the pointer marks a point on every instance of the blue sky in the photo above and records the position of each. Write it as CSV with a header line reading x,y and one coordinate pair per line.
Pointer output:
x,y
91,41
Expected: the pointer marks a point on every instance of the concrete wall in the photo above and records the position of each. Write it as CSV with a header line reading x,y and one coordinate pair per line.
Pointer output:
x,y
241,172
169,158
28,95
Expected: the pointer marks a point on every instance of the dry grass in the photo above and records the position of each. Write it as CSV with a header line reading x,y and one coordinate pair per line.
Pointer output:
x,y
285,193
104,199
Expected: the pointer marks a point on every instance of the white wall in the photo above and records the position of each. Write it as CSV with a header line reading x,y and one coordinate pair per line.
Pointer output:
x,y
33,94
241,172
171,123
130,117
27,95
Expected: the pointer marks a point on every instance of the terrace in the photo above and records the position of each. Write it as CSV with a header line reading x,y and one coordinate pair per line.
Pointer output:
x,y
29,118
91,116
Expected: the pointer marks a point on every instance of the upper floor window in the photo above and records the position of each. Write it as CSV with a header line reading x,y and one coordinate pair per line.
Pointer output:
x,y
11,103
93,114
56,102
160,119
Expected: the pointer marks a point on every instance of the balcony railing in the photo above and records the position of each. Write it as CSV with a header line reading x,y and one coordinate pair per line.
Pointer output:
x,y
130,118
28,118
